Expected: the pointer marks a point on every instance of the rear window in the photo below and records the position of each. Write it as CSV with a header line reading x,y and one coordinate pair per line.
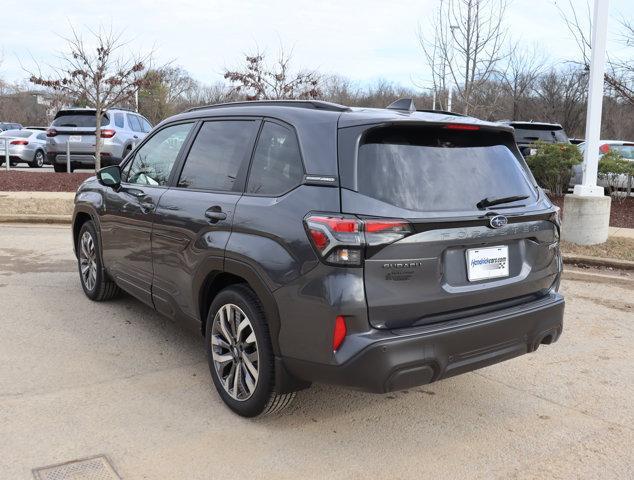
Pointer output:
x,y
16,133
432,169
544,134
626,151
87,120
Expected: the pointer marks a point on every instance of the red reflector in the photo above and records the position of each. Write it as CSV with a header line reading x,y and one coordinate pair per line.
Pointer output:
x,y
605,148
376,226
319,238
108,133
19,142
461,126
340,332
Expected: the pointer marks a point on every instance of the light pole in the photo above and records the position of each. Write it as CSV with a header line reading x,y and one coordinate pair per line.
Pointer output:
x,y
587,210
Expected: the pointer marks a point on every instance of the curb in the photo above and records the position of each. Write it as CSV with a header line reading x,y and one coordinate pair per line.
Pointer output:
x,y
580,276
30,218
598,262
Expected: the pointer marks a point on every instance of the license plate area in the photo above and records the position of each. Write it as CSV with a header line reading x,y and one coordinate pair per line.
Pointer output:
x,y
487,263
74,139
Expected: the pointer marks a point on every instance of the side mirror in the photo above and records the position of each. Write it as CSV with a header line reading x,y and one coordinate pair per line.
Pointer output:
x,y
110,176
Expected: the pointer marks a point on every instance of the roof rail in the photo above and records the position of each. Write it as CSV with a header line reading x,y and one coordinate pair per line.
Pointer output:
x,y
311,104
444,112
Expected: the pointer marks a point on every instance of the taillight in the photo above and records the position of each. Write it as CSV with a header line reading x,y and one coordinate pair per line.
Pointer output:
x,y
51,132
341,240
19,142
339,333
107,133
603,149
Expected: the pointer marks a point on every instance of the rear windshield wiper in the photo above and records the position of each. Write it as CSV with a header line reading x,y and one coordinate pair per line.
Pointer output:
x,y
489,202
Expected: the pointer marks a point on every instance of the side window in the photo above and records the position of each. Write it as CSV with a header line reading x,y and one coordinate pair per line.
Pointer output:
x,y
153,162
277,163
41,136
217,154
133,122
118,120
145,125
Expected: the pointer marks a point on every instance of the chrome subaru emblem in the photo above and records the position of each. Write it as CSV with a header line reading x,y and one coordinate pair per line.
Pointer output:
x,y
498,221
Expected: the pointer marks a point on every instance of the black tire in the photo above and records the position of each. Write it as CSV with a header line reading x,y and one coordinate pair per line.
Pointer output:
x,y
264,400
38,160
59,168
103,288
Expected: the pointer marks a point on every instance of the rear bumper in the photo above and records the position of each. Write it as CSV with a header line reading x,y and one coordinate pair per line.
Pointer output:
x,y
395,360
79,159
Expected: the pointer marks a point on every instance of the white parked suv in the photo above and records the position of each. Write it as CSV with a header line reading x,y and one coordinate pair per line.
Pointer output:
x,y
120,131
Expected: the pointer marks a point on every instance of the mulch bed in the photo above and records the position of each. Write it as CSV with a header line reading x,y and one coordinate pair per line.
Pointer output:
x,y
16,181
621,211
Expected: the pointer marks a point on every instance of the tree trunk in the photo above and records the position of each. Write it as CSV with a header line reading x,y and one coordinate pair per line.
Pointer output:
x,y
98,140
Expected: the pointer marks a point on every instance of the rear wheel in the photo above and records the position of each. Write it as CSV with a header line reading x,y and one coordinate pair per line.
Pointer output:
x,y
240,355
93,278
38,160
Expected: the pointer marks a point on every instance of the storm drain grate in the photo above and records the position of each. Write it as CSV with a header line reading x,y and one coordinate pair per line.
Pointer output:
x,y
92,468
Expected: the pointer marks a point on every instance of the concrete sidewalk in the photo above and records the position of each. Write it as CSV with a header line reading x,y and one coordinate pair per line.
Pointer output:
x,y
621,232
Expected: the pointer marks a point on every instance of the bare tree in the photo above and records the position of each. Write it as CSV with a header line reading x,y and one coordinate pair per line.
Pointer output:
x,y
163,91
102,73
524,67
465,46
258,80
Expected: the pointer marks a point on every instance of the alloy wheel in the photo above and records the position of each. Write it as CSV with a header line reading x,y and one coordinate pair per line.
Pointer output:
x,y
88,261
39,159
235,354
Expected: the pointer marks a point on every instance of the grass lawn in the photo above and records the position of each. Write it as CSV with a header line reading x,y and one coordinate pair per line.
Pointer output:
x,y
615,247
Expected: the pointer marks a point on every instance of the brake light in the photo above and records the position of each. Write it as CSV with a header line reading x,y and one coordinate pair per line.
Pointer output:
x,y
19,142
108,133
461,126
603,149
341,240
51,132
339,333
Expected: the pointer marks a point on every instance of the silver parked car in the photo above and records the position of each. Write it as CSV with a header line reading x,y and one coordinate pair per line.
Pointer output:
x,y
25,146
120,131
624,148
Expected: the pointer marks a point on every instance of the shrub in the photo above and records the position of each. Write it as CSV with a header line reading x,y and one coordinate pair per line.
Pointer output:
x,y
552,165
613,168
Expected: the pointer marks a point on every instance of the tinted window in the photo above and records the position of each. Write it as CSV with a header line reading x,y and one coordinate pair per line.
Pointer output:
x,y
430,170
153,162
118,120
277,164
219,151
134,123
75,119
548,135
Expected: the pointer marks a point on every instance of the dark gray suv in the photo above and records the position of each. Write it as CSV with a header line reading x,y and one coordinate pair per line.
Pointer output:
x,y
311,242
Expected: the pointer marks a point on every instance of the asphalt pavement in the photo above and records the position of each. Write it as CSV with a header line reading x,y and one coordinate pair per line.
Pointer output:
x,y
79,378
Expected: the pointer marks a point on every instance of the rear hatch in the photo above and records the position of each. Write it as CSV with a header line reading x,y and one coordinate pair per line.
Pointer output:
x,y
527,133
76,127
459,256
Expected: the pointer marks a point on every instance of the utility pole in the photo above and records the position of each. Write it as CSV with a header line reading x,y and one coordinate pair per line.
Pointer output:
x,y
587,210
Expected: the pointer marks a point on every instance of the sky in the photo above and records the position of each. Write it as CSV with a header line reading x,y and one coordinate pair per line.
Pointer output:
x,y
364,40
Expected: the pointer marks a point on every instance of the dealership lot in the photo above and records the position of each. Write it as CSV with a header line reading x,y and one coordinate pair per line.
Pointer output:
x,y
82,379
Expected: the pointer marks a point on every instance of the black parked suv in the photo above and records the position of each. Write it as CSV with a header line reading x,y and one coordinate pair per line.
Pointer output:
x,y
527,133
311,242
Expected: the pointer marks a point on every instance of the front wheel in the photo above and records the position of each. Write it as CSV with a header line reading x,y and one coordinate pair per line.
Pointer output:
x,y
93,278
240,355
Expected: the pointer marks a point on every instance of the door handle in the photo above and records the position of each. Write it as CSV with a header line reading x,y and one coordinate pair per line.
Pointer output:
x,y
215,214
